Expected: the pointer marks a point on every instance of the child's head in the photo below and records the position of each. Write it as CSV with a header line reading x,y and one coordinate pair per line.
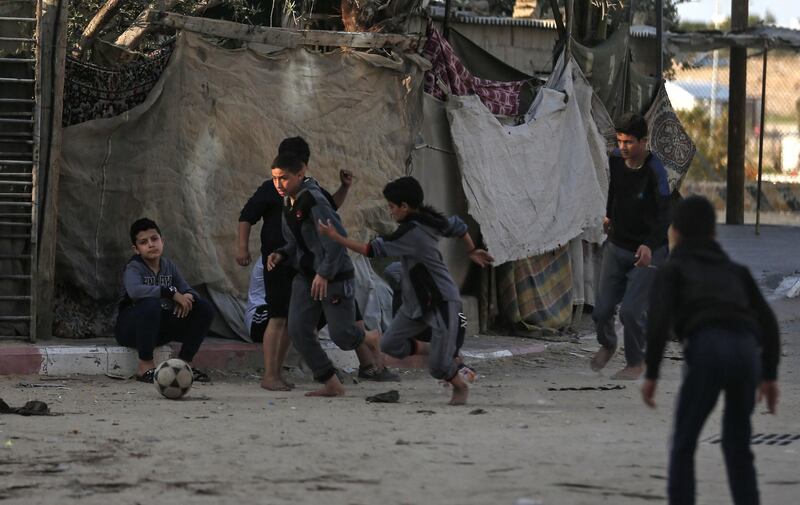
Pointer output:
x,y
288,172
296,145
146,238
632,136
405,196
693,219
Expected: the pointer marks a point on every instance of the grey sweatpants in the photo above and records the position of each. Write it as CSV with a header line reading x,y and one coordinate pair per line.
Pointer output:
x,y
623,283
444,322
339,308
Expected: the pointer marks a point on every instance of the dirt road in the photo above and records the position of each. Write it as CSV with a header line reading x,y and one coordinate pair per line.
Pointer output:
x,y
230,442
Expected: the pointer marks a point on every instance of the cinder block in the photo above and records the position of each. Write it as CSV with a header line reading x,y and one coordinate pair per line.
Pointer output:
x,y
68,360
123,361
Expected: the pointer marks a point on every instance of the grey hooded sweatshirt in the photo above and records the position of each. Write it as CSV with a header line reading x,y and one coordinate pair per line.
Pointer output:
x,y
138,281
307,251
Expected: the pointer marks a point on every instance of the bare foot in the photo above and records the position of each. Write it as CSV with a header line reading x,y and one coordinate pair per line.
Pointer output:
x,y
460,391
331,388
274,384
629,373
601,358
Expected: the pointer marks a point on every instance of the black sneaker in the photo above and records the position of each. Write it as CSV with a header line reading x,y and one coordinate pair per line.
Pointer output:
x,y
372,374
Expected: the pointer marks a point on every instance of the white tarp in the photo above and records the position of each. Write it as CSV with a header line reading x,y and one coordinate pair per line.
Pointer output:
x,y
532,188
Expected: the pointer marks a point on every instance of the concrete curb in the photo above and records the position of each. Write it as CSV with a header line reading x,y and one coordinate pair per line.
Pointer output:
x,y
62,360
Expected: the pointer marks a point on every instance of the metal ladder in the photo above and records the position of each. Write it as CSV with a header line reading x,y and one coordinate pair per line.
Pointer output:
x,y
19,132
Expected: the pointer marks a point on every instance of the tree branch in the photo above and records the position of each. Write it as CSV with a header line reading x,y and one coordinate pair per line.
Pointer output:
x,y
98,21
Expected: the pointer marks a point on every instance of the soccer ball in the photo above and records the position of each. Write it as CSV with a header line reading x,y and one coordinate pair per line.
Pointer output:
x,y
173,378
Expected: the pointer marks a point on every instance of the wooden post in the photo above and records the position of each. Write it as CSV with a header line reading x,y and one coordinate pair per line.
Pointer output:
x,y
286,37
52,55
446,24
737,100
761,138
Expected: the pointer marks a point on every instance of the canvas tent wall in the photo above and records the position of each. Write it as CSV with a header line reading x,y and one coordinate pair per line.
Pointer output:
x,y
195,150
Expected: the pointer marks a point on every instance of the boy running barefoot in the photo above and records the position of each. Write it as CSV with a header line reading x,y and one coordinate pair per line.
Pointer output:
x,y
431,299
324,283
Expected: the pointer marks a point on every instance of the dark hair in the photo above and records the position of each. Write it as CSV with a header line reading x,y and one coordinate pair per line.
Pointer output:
x,y
296,145
694,218
141,225
404,190
632,124
288,161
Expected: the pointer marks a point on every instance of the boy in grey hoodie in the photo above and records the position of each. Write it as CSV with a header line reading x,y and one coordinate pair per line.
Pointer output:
x,y
431,299
324,283
158,305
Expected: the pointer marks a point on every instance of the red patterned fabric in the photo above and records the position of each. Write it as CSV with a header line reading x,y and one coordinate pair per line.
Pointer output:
x,y
502,98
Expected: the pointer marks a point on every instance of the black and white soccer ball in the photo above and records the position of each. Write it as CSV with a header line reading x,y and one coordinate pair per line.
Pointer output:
x,y
173,378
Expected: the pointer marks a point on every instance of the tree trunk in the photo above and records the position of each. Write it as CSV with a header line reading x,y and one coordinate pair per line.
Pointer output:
x,y
134,34
98,21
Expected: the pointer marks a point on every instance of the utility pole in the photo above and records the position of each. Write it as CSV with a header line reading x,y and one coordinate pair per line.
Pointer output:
x,y
717,19
660,43
737,98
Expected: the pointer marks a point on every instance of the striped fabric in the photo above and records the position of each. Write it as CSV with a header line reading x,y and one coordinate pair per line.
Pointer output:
x,y
501,98
536,292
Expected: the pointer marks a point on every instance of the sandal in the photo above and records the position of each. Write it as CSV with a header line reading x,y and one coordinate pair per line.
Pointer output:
x,y
148,376
200,376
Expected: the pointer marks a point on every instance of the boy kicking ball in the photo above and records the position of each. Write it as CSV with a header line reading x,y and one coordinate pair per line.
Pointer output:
x,y
431,299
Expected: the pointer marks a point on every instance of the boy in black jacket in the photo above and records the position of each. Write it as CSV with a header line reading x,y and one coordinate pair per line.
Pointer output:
x,y
715,308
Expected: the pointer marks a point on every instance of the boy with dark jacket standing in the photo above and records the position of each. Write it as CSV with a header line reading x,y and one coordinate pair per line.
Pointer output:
x,y
431,300
636,220
158,305
731,343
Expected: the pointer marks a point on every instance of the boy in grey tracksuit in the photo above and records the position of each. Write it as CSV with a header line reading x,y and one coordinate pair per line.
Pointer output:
x,y
431,298
325,277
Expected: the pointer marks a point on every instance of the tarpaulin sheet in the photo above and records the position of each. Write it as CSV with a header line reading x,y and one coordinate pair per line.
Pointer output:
x,y
532,188
202,142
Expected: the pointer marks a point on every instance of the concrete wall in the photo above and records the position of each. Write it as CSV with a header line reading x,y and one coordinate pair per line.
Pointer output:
x,y
528,49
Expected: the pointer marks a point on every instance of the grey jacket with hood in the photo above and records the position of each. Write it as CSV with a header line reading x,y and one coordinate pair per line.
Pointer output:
x,y
426,282
305,250
139,282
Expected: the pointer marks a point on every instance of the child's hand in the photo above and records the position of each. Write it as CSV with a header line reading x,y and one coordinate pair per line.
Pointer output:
x,y
243,257
273,260
183,305
649,393
346,177
319,288
481,257
769,390
327,229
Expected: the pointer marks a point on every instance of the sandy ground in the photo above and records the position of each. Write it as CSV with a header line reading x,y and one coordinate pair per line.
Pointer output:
x,y
231,442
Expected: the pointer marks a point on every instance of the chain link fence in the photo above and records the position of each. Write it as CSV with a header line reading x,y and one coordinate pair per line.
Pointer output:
x,y
698,90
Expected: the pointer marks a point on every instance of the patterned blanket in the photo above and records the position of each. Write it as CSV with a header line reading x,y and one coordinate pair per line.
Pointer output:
x,y
93,92
536,292
501,98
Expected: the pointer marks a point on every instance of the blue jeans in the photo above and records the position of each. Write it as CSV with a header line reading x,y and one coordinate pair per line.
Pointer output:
x,y
717,360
